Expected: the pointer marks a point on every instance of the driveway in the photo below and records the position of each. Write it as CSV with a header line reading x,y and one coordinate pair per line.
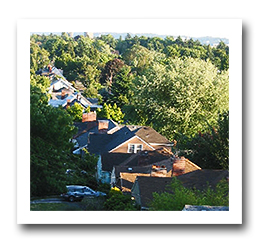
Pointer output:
x,y
49,200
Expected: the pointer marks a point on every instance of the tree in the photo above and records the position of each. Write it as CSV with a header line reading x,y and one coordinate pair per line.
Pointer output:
x,y
111,112
50,147
118,201
211,148
111,69
181,97
39,57
120,90
51,131
108,39
75,111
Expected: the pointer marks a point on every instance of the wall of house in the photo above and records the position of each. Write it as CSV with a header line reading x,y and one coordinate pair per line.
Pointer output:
x,y
99,168
124,148
135,192
102,176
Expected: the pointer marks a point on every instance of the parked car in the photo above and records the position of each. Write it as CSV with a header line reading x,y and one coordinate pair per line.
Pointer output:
x,y
78,192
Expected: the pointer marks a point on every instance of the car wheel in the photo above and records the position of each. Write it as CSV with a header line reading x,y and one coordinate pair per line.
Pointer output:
x,y
71,199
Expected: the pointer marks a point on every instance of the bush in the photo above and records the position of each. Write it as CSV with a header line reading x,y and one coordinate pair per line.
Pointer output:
x,y
118,201
178,196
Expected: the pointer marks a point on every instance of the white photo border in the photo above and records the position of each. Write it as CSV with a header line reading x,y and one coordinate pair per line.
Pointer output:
x,y
225,28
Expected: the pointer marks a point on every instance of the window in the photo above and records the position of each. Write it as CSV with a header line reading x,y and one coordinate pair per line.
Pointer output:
x,y
139,147
134,148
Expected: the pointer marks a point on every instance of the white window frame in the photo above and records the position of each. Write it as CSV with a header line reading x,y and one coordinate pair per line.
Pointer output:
x,y
135,147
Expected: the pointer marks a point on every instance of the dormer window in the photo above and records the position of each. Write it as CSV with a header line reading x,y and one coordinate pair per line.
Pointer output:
x,y
134,148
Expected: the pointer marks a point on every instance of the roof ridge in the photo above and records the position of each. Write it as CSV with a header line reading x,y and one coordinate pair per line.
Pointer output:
x,y
191,163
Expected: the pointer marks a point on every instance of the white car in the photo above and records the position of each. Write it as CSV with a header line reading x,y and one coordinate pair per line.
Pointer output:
x,y
78,192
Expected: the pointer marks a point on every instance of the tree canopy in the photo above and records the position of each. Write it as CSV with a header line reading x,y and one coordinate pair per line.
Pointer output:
x,y
179,87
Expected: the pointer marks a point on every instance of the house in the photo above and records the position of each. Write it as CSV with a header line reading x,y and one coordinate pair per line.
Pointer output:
x,y
106,162
128,139
110,164
144,187
124,175
91,125
121,169
63,93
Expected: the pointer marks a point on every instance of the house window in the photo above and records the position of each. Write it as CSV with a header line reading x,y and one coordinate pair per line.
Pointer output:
x,y
139,147
134,148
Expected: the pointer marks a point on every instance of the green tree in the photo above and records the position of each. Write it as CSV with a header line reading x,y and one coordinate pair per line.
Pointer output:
x,y
50,147
39,57
111,112
182,97
51,131
121,87
211,148
110,70
76,111
118,201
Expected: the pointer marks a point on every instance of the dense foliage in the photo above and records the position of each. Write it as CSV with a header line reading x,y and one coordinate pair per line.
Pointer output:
x,y
211,148
180,88
117,201
177,196
51,158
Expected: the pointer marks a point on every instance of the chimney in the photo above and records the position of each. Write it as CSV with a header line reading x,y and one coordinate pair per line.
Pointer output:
x,y
103,126
68,103
178,167
158,171
63,94
87,117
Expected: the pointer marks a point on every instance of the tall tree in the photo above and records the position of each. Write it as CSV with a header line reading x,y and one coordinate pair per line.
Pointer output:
x,y
121,87
182,97
211,148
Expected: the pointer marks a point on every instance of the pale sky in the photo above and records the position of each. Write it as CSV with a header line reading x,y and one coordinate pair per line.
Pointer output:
x,y
175,27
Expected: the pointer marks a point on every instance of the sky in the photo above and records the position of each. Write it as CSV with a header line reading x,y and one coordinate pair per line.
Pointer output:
x,y
172,27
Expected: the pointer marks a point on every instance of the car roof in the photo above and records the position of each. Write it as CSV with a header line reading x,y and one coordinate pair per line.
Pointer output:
x,y
76,186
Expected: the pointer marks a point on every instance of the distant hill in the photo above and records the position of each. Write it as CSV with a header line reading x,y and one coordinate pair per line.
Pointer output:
x,y
213,41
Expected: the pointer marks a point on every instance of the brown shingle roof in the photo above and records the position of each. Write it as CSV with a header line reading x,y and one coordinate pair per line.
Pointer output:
x,y
149,135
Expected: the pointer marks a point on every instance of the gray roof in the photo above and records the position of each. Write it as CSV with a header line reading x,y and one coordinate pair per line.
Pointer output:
x,y
91,127
147,134
205,208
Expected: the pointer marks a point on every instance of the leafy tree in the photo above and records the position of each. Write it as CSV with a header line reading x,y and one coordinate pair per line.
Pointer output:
x,y
211,149
181,97
177,196
111,112
108,39
111,69
50,146
75,111
140,58
39,57
117,201
120,90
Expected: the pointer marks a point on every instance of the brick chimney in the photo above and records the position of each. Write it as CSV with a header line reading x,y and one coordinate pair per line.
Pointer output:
x,y
103,126
68,103
63,94
158,171
178,167
87,117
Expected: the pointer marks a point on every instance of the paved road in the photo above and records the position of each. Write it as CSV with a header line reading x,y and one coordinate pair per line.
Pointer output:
x,y
49,200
